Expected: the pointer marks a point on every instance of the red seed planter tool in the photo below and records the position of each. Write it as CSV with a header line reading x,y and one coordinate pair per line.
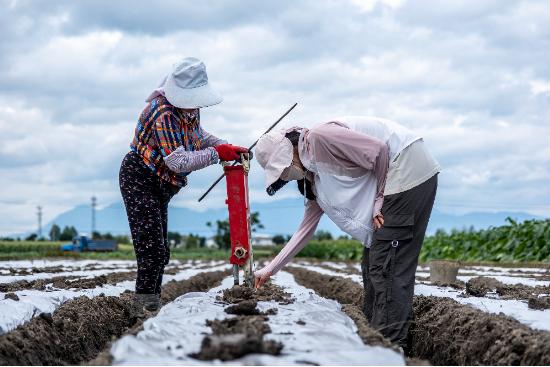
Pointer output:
x,y
239,211
237,202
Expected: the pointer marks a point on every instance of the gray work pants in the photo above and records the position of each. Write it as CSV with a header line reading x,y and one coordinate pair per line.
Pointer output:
x,y
389,266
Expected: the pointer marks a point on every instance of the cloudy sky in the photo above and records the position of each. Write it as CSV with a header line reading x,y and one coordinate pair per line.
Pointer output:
x,y
471,77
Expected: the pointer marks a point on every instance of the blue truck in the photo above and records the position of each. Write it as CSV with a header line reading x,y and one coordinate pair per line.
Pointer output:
x,y
83,244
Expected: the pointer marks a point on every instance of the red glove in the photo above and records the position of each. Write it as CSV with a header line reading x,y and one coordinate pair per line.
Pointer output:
x,y
228,152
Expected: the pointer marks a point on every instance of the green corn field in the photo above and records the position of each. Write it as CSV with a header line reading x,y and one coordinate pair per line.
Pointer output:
x,y
526,241
513,242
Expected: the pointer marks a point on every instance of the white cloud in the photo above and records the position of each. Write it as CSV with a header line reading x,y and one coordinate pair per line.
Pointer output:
x,y
471,77
369,5
539,86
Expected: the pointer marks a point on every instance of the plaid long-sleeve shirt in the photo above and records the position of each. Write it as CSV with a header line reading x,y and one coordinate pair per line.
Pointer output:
x,y
161,130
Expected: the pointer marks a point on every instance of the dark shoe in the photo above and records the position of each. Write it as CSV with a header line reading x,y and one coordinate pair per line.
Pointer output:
x,y
146,301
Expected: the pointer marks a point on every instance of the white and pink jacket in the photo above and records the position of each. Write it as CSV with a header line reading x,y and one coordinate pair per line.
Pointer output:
x,y
348,159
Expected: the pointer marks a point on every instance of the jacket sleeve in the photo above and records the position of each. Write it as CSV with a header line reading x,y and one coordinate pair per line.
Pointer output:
x,y
209,140
181,160
299,240
356,148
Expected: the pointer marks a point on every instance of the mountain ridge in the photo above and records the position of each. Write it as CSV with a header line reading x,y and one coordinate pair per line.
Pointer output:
x,y
280,217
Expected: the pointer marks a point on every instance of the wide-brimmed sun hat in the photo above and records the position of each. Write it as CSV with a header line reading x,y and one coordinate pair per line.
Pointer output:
x,y
187,85
274,153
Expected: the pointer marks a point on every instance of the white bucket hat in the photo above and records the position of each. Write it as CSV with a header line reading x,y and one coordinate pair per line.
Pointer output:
x,y
187,85
274,153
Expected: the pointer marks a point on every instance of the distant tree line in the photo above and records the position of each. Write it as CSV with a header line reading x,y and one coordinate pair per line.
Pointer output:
x,y
320,235
55,234
176,239
67,234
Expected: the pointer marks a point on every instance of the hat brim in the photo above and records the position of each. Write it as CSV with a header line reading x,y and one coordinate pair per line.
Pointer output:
x,y
198,97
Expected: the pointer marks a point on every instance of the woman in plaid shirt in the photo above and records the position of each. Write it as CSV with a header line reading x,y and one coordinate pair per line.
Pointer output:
x,y
169,143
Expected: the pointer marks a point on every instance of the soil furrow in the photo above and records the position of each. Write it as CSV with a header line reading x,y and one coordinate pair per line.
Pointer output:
x,y
65,268
68,282
446,332
83,327
449,333
76,282
48,269
349,294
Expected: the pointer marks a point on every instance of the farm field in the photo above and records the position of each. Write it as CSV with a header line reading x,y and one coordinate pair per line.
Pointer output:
x,y
78,312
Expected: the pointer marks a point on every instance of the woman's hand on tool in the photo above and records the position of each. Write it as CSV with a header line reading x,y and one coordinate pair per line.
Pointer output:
x,y
378,221
228,152
250,156
261,276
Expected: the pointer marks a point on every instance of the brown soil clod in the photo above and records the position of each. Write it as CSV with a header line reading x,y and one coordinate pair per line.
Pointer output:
x,y
46,316
268,292
236,294
271,311
233,346
236,337
11,296
480,286
246,307
520,291
539,303
14,271
239,325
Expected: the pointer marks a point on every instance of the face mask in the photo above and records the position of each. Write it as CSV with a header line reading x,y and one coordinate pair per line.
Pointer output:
x,y
293,173
190,115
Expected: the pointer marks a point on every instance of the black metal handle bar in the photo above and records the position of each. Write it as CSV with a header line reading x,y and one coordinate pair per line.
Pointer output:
x,y
250,148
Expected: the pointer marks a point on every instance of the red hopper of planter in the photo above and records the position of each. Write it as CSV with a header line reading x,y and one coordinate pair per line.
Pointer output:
x,y
239,219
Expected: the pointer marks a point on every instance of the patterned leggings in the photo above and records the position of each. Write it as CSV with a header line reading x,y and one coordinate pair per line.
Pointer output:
x,y
146,198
